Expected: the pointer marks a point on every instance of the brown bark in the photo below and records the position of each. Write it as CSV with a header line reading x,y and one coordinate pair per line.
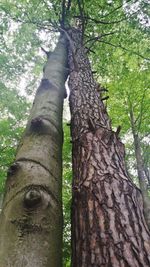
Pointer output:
x,y
140,168
31,218
108,225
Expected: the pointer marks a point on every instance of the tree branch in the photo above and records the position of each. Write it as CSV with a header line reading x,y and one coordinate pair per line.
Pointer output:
x,y
115,9
94,39
63,13
81,10
68,5
141,111
29,21
102,22
124,48
97,38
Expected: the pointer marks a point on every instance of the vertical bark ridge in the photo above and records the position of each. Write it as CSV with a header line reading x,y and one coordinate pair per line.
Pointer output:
x,y
108,226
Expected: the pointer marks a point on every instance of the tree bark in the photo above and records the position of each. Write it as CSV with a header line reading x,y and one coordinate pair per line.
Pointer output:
x,y
142,179
143,182
108,225
31,218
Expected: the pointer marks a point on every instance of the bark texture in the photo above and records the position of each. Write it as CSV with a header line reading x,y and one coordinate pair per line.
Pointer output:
x,y
31,218
143,182
108,225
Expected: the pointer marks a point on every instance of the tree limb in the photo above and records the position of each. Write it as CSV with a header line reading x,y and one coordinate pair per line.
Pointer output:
x,y
68,5
96,38
81,10
102,22
124,48
115,9
63,13
141,111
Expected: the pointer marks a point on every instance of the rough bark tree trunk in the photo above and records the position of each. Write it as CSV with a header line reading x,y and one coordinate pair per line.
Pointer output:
x,y
140,170
108,225
31,218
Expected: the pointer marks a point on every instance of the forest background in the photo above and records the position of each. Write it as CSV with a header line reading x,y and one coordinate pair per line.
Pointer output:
x,y
120,58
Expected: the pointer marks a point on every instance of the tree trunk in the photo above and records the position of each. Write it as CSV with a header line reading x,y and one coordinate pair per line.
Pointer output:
x,y
31,218
108,225
143,182
142,178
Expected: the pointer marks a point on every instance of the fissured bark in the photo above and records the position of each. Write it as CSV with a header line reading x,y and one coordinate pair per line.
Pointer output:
x,y
108,225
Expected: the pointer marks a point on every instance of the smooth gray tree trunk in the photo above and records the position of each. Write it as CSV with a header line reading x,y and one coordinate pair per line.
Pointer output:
x,y
31,218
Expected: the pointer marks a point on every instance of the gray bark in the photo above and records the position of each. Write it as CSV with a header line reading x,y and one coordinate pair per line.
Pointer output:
x,y
31,218
143,182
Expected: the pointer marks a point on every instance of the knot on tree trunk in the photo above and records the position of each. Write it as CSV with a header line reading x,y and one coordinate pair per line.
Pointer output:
x,y
13,168
36,123
32,198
